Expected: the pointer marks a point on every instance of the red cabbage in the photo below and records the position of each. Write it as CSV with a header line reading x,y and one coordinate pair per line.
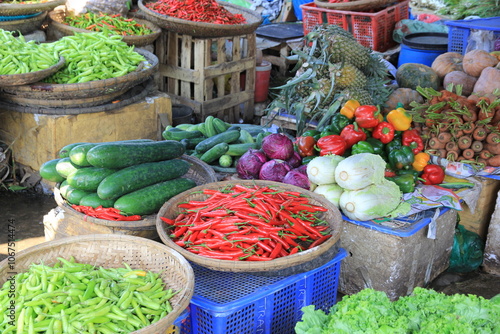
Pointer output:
x,y
297,178
277,146
249,164
274,170
295,160
302,169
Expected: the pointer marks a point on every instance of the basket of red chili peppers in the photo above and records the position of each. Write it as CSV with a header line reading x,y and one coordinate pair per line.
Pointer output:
x,y
201,18
249,225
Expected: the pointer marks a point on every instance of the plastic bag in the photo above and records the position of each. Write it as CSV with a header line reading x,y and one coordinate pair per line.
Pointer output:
x,y
467,251
480,40
405,27
111,7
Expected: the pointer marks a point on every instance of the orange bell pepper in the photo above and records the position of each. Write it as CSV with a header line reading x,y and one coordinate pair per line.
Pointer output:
x,y
349,108
421,160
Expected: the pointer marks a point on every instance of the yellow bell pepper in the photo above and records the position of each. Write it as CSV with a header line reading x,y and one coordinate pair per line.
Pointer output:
x,y
400,119
420,161
349,108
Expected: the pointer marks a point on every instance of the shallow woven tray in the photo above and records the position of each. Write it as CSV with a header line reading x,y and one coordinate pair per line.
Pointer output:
x,y
57,19
24,26
29,8
358,5
92,89
202,29
111,251
333,216
27,78
200,172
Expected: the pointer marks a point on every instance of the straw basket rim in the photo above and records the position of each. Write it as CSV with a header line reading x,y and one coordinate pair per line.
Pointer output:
x,y
356,5
138,41
170,207
203,29
29,8
27,78
24,26
60,247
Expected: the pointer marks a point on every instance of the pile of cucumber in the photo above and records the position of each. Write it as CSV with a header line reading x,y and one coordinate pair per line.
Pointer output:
x,y
134,176
216,142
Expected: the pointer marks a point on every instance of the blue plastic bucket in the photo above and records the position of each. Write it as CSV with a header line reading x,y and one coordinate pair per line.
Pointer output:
x,y
422,47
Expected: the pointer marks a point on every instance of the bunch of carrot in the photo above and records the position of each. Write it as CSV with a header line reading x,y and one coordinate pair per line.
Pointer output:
x,y
248,223
458,128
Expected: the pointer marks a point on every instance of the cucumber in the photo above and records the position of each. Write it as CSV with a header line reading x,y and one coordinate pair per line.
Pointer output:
x,y
196,154
74,195
228,170
184,126
180,134
128,154
88,178
225,160
253,129
245,137
49,172
227,137
456,185
94,201
64,152
219,125
65,167
64,187
209,126
215,153
201,127
192,142
150,199
237,150
139,176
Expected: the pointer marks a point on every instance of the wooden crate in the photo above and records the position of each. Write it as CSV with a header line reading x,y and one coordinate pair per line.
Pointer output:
x,y
214,76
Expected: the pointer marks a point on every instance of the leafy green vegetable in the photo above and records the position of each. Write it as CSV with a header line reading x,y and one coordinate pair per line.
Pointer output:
x,y
425,311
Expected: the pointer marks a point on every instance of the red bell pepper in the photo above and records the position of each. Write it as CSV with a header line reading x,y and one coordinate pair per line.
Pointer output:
x,y
332,144
433,174
412,139
367,116
352,134
305,146
384,132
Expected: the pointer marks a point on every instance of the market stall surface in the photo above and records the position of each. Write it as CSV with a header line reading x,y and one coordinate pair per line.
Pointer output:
x,y
22,214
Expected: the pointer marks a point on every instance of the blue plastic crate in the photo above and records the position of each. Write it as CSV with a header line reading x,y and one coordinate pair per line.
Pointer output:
x,y
241,303
459,31
182,324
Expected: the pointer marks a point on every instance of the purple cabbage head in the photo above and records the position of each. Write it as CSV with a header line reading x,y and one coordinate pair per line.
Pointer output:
x,y
302,169
295,160
249,164
297,178
277,146
274,170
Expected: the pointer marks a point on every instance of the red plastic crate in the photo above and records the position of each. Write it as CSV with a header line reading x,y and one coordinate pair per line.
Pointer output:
x,y
373,30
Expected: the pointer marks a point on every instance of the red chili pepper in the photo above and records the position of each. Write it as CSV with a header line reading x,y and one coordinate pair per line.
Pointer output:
x,y
352,134
433,174
384,132
367,116
331,144
412,139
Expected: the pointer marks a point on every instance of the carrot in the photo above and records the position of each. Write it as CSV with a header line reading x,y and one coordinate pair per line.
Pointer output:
x,y
458,134
477,146
493,138
496,116
494,161
471,116
468,128
485,154
434,143
468,154
479,133
444,137
464,142
460,158
493,148
451,146
452,155
446,95
482,162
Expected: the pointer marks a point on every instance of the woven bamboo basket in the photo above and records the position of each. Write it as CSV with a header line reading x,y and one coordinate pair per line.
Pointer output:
x,y
76,223
357,5
29,8
111,251
24,26
88,93
202,29
279,265
57,19
27,78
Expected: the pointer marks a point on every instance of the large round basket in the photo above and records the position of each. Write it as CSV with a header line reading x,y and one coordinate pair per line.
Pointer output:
x,y
112,251
291,264
90,93
24,26
72,222
57,19
29,8
27,78
202,29
357,5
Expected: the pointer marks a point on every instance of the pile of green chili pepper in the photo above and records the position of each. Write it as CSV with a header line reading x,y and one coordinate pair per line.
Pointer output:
x,y
18,56
112,24
72,297
93,56
196,10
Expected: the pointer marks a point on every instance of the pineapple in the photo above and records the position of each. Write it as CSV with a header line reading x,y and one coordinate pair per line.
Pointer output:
x,y
348,76
360,95
344,49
